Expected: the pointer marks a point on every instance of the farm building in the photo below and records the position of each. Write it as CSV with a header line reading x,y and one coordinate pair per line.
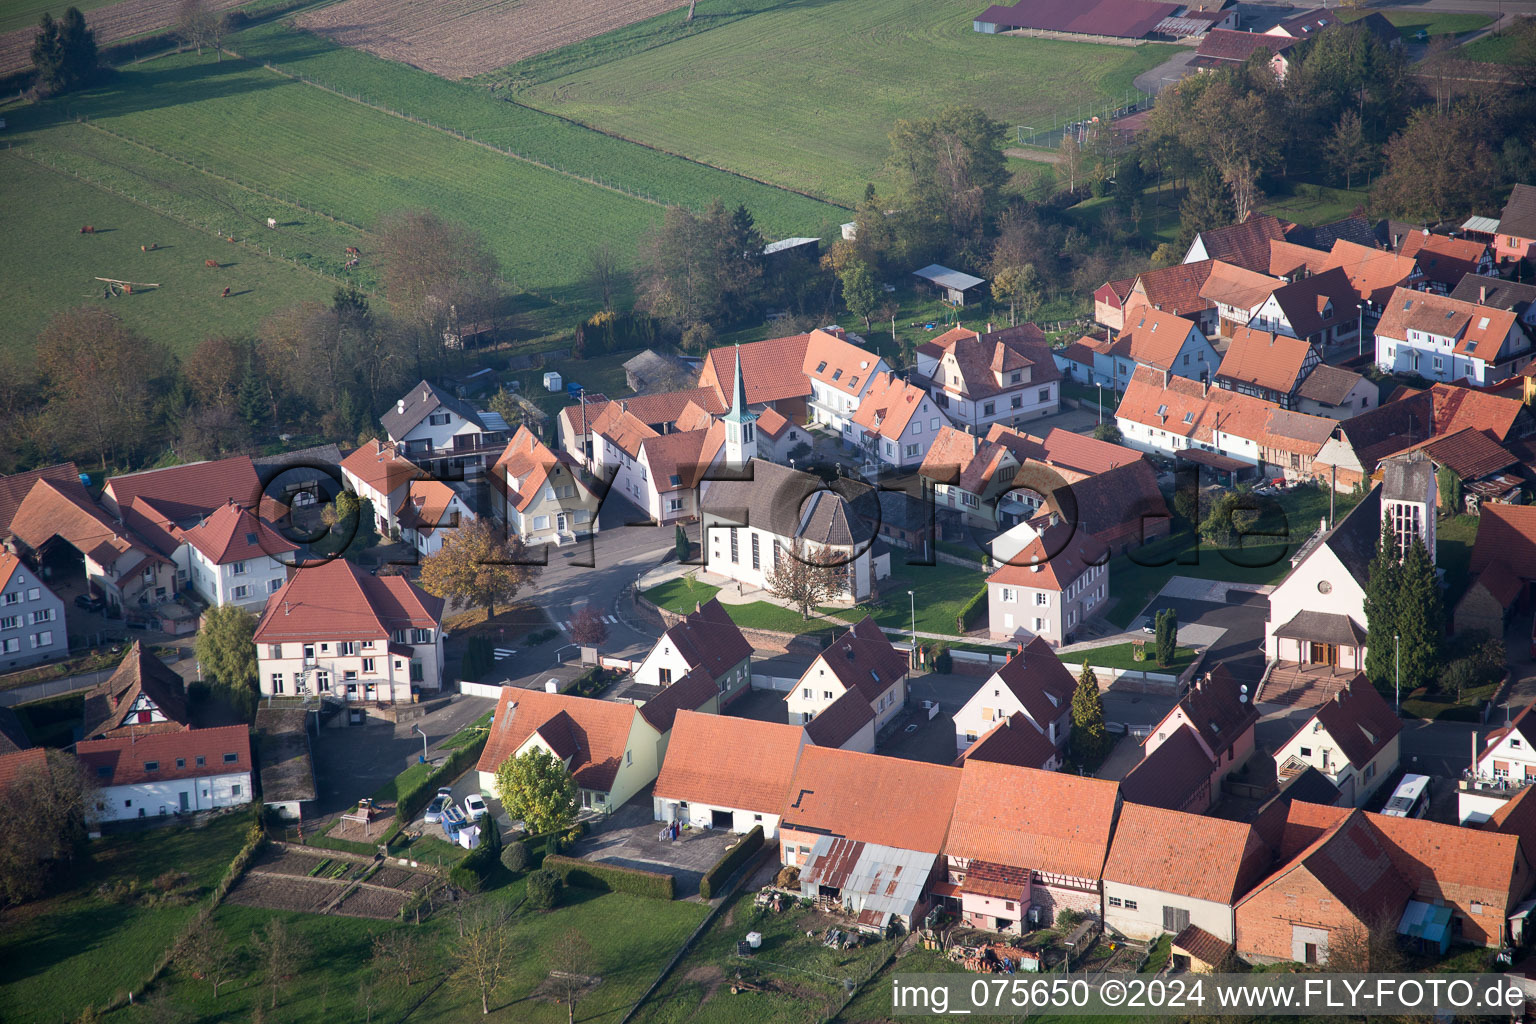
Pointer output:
x,y
139,775
1115,19
808,249
952,284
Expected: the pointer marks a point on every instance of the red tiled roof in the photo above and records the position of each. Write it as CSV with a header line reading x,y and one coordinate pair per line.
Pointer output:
x,y
690,693
1214,704
839,364
1053,560
1200,945
197,488
1479,331
14,488
1287,258
1517,817
889,406
1000,881
1174,289
705,762
1016,741
772,370
653,410
951,451
1506,534
1079,452
889,801
1184,408
1456,408
1468,453
378,465
1372,273
63,509
339,601
1232,285
1437,857
1272,362
1245,245
596,732
1185,854
1316,303
1119,504
1359,719
771,423
1039,680
1152,337
679,461
425,507
139,674
709,639
1443,259
840,721
1225,44
1171,775
524,466
20,762
863,659
122,760
979,356
233,534
1045,821
1351,859
1125,19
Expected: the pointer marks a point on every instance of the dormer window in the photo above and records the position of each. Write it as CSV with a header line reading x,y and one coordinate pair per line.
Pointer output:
x,y
676,480
1162,410
1189,417
853,382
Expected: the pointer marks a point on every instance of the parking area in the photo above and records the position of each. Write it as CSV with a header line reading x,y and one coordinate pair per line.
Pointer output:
x,y
631,838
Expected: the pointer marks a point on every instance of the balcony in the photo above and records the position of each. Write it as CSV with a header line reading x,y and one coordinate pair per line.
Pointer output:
x,y
1488,785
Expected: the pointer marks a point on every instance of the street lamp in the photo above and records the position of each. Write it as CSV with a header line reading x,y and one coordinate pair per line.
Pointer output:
x,y
1397,650
1360,330
912,601
417,729
1100,386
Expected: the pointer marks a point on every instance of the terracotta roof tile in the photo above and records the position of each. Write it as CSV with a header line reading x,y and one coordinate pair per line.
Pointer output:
x,y
1479,331
1016,741
872,799
1174,289
652,410
233,534
1351,859
378,465
1232,285
1437,858
1372,273
21,762
1519,215
690,693
337,600
1152,337
181,492
108,705
598,732
863,659
979,356
14,488
1045,821
1224,44
771,423
679,461
1443,259
122,760
1199,944
840,721
1287,258
837,363
1318,302
889,406
63,509
951,451
709,639
1360,721
1053,560
1507,534
1172,775
1469,453
773,370
1264,360
705,762
1185,854
1246,244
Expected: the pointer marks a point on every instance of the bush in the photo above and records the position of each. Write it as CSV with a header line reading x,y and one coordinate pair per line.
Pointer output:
x,y
972,610
727,864
515,857
543,889
942,662
612,878
465,877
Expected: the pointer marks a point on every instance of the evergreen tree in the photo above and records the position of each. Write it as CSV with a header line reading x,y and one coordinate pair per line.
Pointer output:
x,y
64,52
1382,587
1167,636
1088,735
1419,618
680,542
252,397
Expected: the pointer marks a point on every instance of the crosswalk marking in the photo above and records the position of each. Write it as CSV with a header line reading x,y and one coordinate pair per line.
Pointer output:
x,y
504,652
564,624
610,620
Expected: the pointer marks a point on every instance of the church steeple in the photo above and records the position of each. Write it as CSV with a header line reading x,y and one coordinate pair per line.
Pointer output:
x,y
740,423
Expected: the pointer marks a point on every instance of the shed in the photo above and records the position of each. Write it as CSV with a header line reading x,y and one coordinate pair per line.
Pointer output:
x,y
808,249
552,381
952,284
877,884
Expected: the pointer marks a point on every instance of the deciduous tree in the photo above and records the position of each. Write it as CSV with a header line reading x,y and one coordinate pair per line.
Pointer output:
x,y
588,627
281,955
1437,167
603,272
950,172
483,952
536,789
803,578
44,813
569,956
436,272
1018,286
479,566
861,293
208,954
200,25
399,956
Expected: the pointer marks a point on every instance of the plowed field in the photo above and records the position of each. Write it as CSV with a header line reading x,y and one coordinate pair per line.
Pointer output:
x,y
462,38
117,21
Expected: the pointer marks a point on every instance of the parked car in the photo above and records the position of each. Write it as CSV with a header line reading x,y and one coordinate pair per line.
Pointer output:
x,y
91,603
475,808
439,804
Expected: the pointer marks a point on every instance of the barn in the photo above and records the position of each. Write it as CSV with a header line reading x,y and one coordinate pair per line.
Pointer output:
x,y
952,284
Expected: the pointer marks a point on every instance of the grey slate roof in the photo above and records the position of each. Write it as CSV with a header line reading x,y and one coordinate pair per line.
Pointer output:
x,y
1519,216
1500,294
790,503
1407,477
1324,627
1355,537
325,454
1351,229
1327,384
419,402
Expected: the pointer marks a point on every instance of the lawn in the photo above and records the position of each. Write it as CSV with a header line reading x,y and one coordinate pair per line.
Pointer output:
x,y
77,947
630,937
1315,204
539,223
1436,23
681,594
50,266
1454,538
803,976
482,115
804,96
1501,47
1120,656
1136,576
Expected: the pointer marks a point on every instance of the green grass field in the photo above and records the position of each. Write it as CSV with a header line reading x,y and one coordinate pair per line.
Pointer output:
x,y
290,141
50,266
1436,23
804,96
1499,48
75,947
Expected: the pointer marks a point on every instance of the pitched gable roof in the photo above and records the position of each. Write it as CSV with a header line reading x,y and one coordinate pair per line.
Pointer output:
x,y
378,465
979,356
1350,859
1175,289
419,403
1519,216
690,693
772,370
14,488
1045,821
188,491
1436,857
889,406
1328,385
1506,534
233,534
62,509
1116,505
1470,454
1264,360
1055,559
709,639
1494,292
1358,719
1372,273
1153,337
1443,259
124,760
872,799
791,503
862,659
1244,245
595,732
1233,285
1318,302
1224,44
1185,854
20,763
1038,679
338,600
705,762
837,362
524,467
1479,331
1015,741
139,674
1287,258
1217,707
1170,775
679,460
840,721
1062,449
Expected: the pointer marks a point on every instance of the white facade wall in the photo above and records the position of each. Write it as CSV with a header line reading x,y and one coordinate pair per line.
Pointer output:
x,y
349,675
152,799
718,550
436,437
384,505
1146,438
703,815
1433,356
430,543
246,583
32,624
910,448
995,702
820,687
1321,751
1138,913
1299,591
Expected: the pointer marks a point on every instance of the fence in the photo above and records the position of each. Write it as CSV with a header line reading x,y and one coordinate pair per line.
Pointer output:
x,y
780,684
1080,120
52,688
479,689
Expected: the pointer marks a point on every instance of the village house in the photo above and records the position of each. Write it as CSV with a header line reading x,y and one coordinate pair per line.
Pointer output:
x,y
380,474
1321,309
1033,685
429,421
182,494
1227,48
1169,872
1238,294
860,660
232,557
1244,245
1351,738
1502,568
659,413
175,772
1121,507
778,512
1163,341
544,497
142,696
1518,297
1206,737
971,476
1374,273
1024,845
609,749
841,375
335,630
1505,765
32,625
657,472
431,511
1446,339
1267,366
723,772
1013,740
707,641
848,723
1174,289
1444,260
1335,393
1051,586
892,422
1516,238
14,489
773,375
1004,376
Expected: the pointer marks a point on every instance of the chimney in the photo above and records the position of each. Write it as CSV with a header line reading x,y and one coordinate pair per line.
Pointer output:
x,y
989,327
1482,293
1322,524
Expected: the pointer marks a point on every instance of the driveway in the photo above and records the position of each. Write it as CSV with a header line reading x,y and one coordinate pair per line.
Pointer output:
x,y
631,838
1167,73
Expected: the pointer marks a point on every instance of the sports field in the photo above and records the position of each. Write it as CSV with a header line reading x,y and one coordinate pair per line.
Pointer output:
x,y
803,94
50,266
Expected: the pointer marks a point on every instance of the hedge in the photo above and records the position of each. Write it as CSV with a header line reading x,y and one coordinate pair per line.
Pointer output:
x,y
612,878
409,803
733,859
972,610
